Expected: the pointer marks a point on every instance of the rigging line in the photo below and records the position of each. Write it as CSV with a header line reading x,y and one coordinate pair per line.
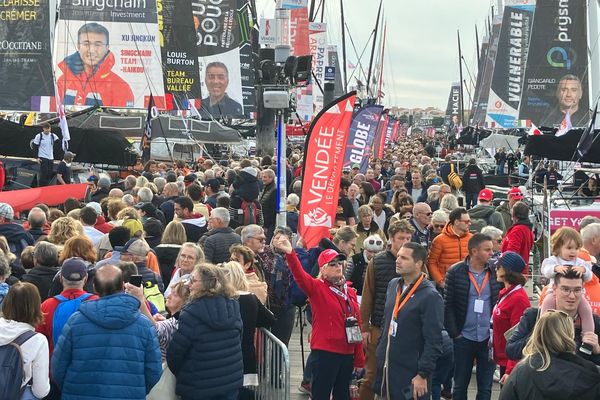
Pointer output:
x,y
468,71
356,52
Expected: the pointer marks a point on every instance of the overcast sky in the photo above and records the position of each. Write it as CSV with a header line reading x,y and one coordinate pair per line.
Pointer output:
x,y
421,59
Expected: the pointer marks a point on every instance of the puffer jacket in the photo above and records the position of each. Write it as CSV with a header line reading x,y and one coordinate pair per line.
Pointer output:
x,y
457,296
107,350
216,244
447,249
205,353
569,377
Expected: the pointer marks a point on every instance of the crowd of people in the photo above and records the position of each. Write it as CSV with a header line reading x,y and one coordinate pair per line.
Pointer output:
x,y
157,284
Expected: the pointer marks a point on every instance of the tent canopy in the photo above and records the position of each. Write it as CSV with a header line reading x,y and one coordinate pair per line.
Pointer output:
x,y
496,140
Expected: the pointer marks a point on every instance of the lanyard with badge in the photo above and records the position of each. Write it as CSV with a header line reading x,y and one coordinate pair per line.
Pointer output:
x,y
353,334
478,307
402,296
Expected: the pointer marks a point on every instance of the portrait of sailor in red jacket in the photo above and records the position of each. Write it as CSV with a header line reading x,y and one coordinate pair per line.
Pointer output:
x,y
87,77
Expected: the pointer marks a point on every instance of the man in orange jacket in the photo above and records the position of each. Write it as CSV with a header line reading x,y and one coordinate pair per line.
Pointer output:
x,y
450,246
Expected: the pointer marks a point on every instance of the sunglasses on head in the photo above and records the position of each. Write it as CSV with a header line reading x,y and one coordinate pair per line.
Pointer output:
x,y
375,242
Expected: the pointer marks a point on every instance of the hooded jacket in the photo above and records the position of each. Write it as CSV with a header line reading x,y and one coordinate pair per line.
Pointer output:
x,y
488,213
245,187
519,238
102,225
569,377
205,353
34,352
446,249
195,227
17,238
418,341
110,344
103,87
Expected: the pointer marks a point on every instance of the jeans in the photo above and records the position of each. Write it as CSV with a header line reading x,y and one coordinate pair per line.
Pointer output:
x,y
442,376
465,352
332,374
470,199
28,394
500,169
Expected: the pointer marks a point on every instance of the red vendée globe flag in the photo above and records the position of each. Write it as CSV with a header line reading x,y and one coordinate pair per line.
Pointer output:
x,y
323,163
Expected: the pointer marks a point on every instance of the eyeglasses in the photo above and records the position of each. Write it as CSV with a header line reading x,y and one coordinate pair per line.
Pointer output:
x,y
439,226
499,240
186,257
375,242
567,290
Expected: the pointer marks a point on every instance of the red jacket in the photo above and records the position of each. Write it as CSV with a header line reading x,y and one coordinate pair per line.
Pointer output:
x,y
328,326
102,225
48,307
76,87
507,313
519,238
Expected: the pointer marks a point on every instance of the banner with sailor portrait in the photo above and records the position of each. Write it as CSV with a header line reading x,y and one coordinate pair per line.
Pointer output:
x,y
108,53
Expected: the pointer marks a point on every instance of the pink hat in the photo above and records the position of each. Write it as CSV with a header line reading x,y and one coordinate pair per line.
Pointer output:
x,y
329,255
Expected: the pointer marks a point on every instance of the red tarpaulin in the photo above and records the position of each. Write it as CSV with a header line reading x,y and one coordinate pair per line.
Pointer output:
x,y
295,130
324,160
26,199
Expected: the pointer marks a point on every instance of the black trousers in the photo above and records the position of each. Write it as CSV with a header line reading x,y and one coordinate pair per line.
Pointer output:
x,y
331,374
46,172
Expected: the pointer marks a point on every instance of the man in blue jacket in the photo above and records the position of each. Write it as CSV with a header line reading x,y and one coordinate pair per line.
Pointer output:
x,y
107,349
411,339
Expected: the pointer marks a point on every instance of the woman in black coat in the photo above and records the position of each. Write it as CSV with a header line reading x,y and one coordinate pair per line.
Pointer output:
x,y
205,354
550,369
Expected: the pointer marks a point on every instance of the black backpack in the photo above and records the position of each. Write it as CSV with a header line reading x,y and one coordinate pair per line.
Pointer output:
x,y
477,224
11,367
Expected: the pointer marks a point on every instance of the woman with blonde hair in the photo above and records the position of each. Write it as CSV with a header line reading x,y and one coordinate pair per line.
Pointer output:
x,y
205,354
256,280
254,315
63,229
550,368
449,203
168,249
22,312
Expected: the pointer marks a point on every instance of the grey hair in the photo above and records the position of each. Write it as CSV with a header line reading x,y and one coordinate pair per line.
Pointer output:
x,y
5,269
130,181
293,199
129,200
492,231
269,172
222,214
439,216
45,253
36,217
250,231
585,221
145,194
199,252
449,202
590,231
160,183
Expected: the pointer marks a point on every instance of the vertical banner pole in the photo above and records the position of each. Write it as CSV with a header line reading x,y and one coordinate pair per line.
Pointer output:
x,y
281,170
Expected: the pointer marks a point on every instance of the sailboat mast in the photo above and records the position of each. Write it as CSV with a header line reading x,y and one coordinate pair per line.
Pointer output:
x,y
344,66
373,47
477,48
381,68
462,100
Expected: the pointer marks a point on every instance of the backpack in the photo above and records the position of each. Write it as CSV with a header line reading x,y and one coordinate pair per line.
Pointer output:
x,y
477,224
249,213
36,147
64,310
153,295
11,367
454,179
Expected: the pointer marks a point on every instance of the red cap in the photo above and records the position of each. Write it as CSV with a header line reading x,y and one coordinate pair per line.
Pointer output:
x,y
329,255
486,195
515,193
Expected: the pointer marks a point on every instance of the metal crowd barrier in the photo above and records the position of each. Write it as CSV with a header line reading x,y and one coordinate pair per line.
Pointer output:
x,y
273,361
